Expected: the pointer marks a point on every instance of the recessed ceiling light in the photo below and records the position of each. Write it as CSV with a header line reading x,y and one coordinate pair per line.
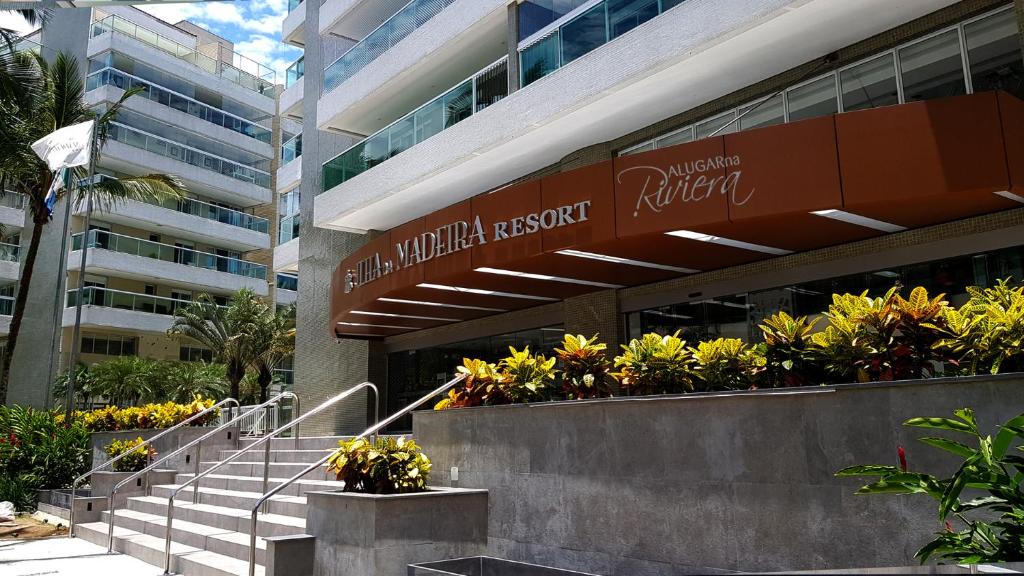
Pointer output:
x,y
690,235
859,220
377,326
1010,196
388,315
486,292
440,304
545,277
625,261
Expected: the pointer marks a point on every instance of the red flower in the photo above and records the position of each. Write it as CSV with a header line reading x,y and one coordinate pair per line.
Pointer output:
x,y
903,458
949,526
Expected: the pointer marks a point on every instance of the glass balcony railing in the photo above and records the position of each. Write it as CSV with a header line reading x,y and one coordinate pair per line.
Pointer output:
x,y
11,199
595,27
289,229
180,102
287,282
187,154
177,254
10,252
216,213
293,4
294,72
471,96
391,32
98,296
241,70
291,149
6,306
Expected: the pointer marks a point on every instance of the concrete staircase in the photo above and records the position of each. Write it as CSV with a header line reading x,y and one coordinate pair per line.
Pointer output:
x,y
211,538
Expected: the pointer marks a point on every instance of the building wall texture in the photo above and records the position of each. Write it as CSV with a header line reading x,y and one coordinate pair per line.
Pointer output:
x,y
716,483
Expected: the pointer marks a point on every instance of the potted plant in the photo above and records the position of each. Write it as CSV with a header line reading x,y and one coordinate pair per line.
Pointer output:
x,y
137,458
387,516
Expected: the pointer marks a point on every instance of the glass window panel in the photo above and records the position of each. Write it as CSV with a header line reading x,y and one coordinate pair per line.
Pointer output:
x,y
376,149
869,84
429,120
624,15
817,98
536,14
681,137
714,126
539,59
403,135
994,52
645,148
458,104
933,68
768,113
584,33
666,4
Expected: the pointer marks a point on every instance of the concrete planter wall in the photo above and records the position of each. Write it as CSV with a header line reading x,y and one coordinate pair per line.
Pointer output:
x,y
227,439
380,535
706,482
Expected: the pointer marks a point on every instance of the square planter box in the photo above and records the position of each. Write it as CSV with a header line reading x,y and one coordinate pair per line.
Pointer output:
x,y
380,535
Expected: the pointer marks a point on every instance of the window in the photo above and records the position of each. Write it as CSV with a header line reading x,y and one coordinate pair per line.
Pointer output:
x,y
679,137
536,14
869,84
624,15
584,33
994,53
540,59
188,353
816,98
716,126
768,113
933,68
109,345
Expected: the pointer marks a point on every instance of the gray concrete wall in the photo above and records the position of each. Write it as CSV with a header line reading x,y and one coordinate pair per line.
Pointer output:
x,y
324,366
226,439
706,483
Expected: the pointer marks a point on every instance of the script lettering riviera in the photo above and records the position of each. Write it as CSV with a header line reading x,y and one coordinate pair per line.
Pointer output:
x,y
688,182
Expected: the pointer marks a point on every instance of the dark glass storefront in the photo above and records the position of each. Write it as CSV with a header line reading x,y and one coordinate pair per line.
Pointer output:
x,y
413,373
738,315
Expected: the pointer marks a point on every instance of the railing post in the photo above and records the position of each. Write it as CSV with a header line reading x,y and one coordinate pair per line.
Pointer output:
x,y
266,469
195,489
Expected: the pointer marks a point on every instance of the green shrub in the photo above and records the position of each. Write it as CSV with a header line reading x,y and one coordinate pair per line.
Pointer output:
x,y
387,466
655,364
986,335
478,387
38,451
138,458
525,377
989,528
727,364
586,369
113,418
789,357
22,491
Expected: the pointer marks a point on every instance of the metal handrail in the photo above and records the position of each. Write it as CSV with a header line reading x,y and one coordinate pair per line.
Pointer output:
x,y
266,459
74,485
371,430
119,485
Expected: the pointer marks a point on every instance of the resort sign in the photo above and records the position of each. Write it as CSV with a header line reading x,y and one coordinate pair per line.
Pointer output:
x,y
458,236
687,182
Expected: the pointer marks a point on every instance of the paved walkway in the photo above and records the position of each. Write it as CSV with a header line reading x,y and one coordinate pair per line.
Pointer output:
x,y
63,556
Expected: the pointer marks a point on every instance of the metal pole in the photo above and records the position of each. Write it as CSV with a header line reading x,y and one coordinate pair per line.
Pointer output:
x,y
266,470
76,334
195,491
59,297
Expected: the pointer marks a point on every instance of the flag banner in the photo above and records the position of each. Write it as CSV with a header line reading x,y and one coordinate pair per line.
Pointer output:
x,y
68,147
55,186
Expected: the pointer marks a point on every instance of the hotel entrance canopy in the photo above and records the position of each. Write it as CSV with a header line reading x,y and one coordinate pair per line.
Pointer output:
x,y
690,208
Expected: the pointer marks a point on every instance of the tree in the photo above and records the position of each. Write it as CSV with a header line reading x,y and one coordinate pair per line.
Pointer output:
x,y
126,381
43,98
272,341
226,330
182,381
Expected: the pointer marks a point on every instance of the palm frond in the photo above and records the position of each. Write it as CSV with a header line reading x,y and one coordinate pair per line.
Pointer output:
x,y
151,188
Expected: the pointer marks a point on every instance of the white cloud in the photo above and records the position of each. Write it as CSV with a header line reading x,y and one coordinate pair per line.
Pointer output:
x,y
13,21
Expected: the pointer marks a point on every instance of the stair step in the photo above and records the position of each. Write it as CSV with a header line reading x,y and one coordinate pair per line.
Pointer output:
x,y
284,504
233,519
284,456
253,484
304,443
255,469
201,536
185,560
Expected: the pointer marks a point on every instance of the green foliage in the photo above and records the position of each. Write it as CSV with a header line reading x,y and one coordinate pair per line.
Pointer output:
x,y
789,358
991,528
114,418
388,466
525,377
986,335
130,380
727,364
655,364
138,457
586,369
478,387
38,451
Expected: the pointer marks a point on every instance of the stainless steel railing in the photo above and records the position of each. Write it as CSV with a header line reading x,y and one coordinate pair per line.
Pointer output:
x,y
193,418
266,442
371,430
197,442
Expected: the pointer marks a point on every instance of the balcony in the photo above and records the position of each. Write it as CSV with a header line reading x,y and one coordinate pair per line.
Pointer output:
x,y
424,55
6,311
107,308
684,57
483,89
241,71
178,102
293,28
12,210
10,262
286,255
191,219
129,257
355,19
212,175
287,286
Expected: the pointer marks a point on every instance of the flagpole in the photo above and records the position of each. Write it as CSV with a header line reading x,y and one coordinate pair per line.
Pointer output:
x,y
76,343
58,313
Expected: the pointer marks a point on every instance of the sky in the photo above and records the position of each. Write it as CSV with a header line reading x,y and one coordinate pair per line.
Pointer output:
x,y
253,25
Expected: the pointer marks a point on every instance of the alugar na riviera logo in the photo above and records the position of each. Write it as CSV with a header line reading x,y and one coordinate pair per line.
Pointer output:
x,y
688,182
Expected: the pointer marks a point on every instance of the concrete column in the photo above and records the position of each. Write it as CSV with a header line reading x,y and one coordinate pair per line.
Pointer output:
x,y
596,313
513,47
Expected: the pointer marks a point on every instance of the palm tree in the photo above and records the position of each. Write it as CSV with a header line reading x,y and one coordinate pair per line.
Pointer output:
x,y
126,381
225,330
272,341
44,98
182,381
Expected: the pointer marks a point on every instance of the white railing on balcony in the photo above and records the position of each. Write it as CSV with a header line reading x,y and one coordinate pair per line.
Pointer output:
x,y
14,200
109,298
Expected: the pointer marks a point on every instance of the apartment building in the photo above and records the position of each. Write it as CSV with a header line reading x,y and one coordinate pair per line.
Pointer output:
x,y
485,173
205,114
